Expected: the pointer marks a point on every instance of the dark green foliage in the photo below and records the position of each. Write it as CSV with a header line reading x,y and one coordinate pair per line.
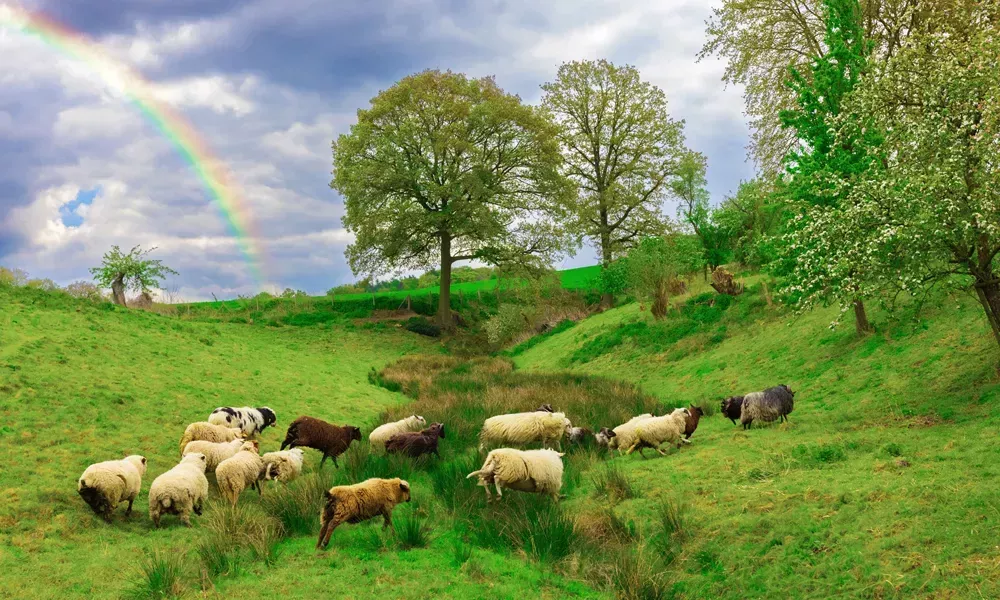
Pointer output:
x,y
422,326
526,522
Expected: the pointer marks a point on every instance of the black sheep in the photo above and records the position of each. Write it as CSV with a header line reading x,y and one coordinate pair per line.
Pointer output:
x,y
416,443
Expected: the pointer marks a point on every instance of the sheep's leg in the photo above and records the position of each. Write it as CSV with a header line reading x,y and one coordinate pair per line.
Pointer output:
x,y
335,461
156,519
387,520
325,532
660,450
197,509
322,461
186,519
499,491
128,511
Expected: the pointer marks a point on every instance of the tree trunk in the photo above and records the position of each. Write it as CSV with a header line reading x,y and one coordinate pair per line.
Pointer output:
x,y
861,323
607,299
118,291
444,316
989,296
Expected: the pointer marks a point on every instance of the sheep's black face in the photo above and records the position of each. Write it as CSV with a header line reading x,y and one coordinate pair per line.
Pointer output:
x,y
440,427
269,417
355,434
696,411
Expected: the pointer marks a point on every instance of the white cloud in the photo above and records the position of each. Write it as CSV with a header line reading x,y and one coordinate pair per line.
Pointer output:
x,y
94,121
150,46
219,93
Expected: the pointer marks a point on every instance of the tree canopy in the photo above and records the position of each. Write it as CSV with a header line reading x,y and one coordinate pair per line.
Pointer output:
x,y
443,168
621,148
132,271
690,189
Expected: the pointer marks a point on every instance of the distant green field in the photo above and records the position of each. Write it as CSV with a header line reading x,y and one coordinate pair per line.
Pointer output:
x,y
572,279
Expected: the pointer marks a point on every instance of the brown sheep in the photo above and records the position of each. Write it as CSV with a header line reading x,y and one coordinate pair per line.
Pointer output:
x,y
416,443
360,502
331,440
695,413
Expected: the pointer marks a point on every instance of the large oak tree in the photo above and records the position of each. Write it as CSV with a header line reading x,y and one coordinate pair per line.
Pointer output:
x,y
443,168
621,149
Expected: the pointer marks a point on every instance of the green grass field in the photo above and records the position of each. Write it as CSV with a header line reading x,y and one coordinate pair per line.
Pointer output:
x,y
881,485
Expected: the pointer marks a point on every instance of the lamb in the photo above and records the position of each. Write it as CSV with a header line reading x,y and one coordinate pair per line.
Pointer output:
x,y
772,404
624,434
284,466
241,471
523,428
106,484
381,434
207,432
251,421
695,413
414,444
331,440
732,407
651,433
533,471
215,452
180,490
360,502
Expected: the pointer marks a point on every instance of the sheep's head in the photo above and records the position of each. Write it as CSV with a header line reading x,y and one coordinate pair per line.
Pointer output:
x,y
604,436
139,462
404,490
196,458
418,421
545,408
251,446
269,417
696,411
355,432
788,389
273,471
439,427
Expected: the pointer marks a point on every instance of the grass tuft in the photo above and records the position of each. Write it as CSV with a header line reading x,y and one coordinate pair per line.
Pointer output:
x,y
159,576
613,484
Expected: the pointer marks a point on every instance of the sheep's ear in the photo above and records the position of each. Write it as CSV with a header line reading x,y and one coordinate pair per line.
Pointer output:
x,y
403,485
143,460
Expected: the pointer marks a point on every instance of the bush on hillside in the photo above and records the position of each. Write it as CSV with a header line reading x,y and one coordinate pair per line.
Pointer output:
x,y
509,321
85,290
13,277
46,285
422,326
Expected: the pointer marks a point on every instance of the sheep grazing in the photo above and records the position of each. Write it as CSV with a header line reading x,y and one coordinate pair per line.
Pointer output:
x,y
251,421
732,407
360,502
651,433
603,437
414,444
533,471
772,404
215,452
381,434
283,466
695,413
106,484
241,471
331,440
207,432
525,428
180,490
624,434
580,435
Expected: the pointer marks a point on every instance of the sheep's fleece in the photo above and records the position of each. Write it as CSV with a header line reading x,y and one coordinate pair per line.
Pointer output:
x,y
360,502
180,490
106,484
383,433
524,428
536,471
251,420
207,432
239,472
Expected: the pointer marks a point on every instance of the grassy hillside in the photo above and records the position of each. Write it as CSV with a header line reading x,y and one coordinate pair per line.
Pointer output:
x,y
80,383
881,486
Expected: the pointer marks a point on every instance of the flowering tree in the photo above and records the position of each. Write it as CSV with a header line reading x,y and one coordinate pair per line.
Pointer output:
x,y
929,212
132,271
823,169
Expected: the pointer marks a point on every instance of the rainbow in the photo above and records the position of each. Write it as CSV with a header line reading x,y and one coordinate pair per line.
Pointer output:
x,y
214,175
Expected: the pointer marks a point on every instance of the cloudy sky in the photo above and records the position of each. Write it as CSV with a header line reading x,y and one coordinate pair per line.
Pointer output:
x,y
268,84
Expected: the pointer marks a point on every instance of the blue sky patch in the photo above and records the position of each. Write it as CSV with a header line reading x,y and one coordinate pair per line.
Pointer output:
x,y
70,217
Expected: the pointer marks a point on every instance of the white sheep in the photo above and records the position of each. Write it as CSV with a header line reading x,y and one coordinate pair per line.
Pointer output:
x,y
215,452
381,434
658,430
283,465
240,471
106,484
207,432
624,434
524,428
180,490
534,471
250,420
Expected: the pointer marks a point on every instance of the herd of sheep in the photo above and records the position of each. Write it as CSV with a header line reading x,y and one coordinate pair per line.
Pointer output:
x,y
226,445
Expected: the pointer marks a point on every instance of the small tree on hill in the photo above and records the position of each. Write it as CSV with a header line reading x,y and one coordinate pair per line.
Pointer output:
x,y
658,261
443,168
133,271
690,188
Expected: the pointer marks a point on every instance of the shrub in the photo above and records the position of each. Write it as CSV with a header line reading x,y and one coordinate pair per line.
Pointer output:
x,y
159,576
422,326
535,340
46,285
412,530
13,277
509,321
85,290
639,575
